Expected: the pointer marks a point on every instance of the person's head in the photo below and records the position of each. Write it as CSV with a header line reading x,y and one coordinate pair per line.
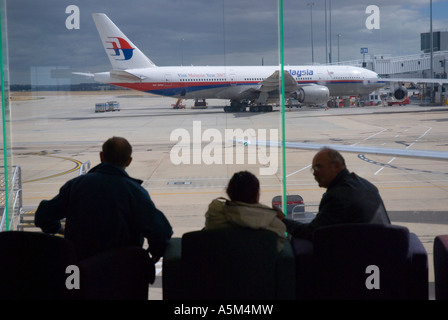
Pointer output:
x,y
244,187
116,151
327,163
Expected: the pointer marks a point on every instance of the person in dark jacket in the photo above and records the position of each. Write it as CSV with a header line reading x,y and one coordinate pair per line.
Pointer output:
x,y
106,208
348,199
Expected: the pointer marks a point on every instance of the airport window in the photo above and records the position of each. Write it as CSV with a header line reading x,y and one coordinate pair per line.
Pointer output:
x,y
61,101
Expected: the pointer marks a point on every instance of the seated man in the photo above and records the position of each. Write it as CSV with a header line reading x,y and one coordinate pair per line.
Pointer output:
x,y
243,208
106,208
349,198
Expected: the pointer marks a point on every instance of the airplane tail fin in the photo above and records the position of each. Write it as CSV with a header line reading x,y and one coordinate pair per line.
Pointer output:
x,y
122,53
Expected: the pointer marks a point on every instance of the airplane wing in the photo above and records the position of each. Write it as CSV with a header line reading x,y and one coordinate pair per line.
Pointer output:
x,y
125,76
271,83
268,89
86,74
307,93
117,75
410,153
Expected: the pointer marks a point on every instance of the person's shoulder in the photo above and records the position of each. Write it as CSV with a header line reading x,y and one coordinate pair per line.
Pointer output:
x,y
360,180
218,203
76,181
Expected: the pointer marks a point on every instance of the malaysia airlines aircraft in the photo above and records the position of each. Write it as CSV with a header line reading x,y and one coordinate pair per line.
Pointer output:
x,y
256,87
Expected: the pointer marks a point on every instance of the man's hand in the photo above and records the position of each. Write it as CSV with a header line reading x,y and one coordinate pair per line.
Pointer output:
x,y
61,230
155,259
280,213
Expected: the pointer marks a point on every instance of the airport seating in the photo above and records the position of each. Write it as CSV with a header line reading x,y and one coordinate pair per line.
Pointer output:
x,y
440,257
33,266
361,262
39,266
230,263
294,203
119,274
295,208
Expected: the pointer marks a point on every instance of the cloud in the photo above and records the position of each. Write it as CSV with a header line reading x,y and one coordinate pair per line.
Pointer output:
x,y
214,32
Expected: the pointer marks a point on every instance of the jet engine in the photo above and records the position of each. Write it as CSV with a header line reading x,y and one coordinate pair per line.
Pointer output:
x,y
400,93
312,95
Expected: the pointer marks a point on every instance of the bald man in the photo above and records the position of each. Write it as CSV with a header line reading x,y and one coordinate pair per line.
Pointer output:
x,y
348,199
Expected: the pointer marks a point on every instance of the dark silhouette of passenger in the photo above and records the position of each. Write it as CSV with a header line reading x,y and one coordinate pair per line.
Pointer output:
x,y
243,209
106,208
348,199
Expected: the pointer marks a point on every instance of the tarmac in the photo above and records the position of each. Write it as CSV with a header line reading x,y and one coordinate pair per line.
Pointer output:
x,y
53,133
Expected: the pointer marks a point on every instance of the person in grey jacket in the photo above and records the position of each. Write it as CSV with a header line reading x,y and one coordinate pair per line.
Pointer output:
x,y
106,208
348,199
243,209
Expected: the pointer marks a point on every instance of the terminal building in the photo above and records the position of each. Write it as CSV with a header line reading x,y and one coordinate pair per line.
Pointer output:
x,y
414,66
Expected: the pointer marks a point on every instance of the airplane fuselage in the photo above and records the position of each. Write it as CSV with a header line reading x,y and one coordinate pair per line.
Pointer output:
x,y
233,82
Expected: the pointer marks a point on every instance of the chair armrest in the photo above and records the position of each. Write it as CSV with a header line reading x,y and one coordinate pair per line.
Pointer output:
x,y
304,274
418,277
416,246
171,270
302,247
286,273
440,258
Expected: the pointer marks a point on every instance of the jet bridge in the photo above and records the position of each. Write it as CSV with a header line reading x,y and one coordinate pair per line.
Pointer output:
x,y
412,66
386,65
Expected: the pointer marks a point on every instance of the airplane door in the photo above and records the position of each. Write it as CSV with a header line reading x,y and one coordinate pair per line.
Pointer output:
x,y
232,75
168,80
321,78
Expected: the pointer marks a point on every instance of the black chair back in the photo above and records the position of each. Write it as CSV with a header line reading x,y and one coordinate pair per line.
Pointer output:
x,y
231,263
361,261
440,252
119,274
33,265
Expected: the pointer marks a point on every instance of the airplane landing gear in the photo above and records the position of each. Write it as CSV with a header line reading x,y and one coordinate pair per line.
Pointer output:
x,y
241,106
258,108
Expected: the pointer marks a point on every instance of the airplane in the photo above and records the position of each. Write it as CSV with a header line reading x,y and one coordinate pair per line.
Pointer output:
x,y
256,87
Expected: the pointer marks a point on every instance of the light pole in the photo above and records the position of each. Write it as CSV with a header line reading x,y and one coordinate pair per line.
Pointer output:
x,y
326,34
431,43
182,51
328,57
339,35
311,4
331,49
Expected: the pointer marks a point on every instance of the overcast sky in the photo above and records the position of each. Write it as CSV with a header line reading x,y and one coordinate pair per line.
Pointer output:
x,y
212,32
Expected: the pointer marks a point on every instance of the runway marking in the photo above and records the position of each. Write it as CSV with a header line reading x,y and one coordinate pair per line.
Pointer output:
x,y
407,147
369,137
424,134
379,170
388,165
298,171
44,154
354,144
158,266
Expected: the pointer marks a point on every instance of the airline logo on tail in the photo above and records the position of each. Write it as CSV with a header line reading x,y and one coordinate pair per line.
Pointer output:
x,y
121,44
